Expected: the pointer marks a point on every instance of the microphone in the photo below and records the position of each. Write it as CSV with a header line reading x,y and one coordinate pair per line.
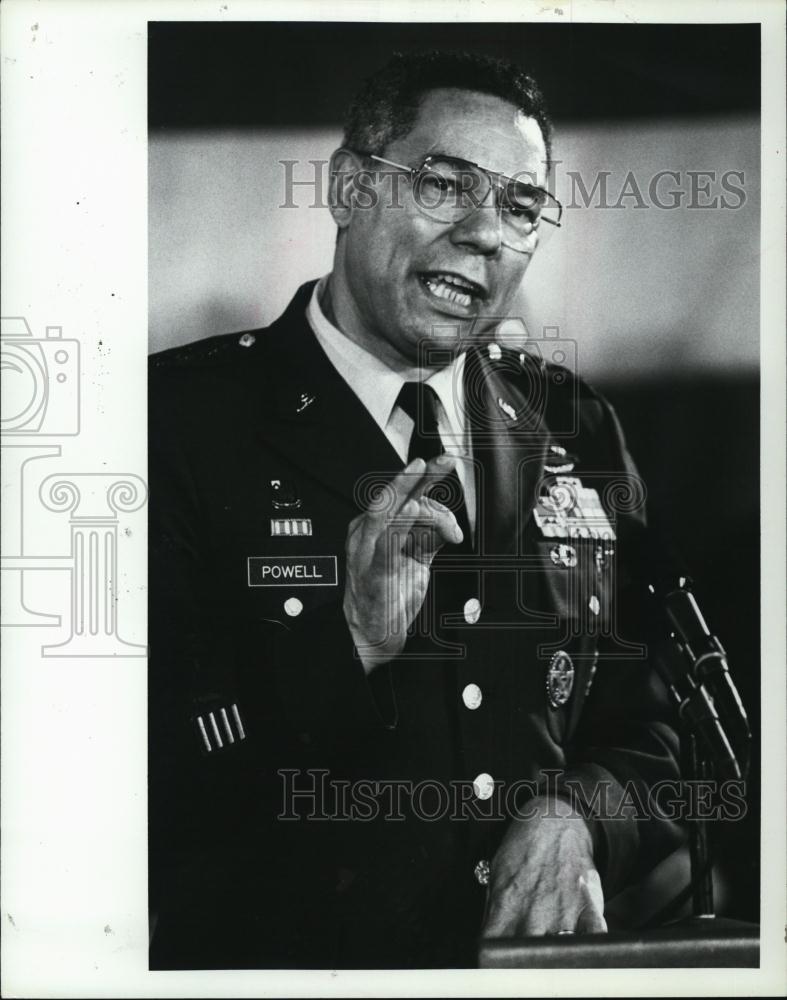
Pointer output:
x,y
689,658
708,662
695,707
693,664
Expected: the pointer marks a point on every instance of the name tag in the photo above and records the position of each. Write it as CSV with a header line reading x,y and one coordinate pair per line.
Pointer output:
x,y
292,571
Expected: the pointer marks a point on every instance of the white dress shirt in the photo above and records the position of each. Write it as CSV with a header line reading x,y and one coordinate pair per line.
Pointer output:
x,y
378,387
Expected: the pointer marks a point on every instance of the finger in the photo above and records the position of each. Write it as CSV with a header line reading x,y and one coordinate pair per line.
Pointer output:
x,y
436,524
399,531
388,500
515,910
590,921
388,539
435,471
441,522
417,479
385,511
411,483
591,916
590,886
421,523
407,485
503,916
433,513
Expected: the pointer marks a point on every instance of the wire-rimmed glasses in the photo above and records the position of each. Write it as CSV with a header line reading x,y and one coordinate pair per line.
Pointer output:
x,y
447,189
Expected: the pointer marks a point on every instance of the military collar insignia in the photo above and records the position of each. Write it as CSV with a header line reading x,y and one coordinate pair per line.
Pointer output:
x,y
305,399
507,408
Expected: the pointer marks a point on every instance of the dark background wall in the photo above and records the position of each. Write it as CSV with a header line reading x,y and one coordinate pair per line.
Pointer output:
x,y
660,305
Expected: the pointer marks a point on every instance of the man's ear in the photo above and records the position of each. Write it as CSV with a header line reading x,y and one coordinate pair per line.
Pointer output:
x,y
344,168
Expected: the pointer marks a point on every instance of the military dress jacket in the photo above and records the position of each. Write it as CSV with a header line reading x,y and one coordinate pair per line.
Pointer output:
x,y
303,814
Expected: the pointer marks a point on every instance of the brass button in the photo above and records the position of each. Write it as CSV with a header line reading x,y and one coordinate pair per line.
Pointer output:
x,y
293,607
484,786
247,340
472,610
472,696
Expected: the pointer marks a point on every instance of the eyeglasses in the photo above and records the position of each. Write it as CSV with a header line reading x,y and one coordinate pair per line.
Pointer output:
x,y
448,189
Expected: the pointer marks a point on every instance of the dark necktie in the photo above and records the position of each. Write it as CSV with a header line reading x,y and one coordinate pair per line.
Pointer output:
x,y
419,402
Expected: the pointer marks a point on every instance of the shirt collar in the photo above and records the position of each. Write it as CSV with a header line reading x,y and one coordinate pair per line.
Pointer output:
x,y
448,383
375,384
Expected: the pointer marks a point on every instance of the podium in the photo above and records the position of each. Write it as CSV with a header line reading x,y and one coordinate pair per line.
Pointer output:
x,y
699,942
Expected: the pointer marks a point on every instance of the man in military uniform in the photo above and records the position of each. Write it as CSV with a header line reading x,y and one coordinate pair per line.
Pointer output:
x,y
399,699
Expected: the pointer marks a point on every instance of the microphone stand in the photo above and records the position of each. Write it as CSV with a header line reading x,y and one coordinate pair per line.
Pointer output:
x,y
713,722
699,854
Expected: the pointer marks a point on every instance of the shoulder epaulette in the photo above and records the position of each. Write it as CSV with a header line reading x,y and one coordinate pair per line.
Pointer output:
x,y
529,362
224,347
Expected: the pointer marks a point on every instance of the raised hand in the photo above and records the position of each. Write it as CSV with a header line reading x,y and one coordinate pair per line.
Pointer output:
x,y
389,558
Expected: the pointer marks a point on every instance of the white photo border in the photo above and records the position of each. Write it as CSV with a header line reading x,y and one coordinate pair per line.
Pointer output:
x,y
74,256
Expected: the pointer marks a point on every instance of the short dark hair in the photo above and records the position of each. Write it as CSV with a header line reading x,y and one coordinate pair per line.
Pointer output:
x,y
388,102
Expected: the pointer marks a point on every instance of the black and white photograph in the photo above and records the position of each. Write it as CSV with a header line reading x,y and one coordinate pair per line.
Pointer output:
x,y
397,466
424,677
